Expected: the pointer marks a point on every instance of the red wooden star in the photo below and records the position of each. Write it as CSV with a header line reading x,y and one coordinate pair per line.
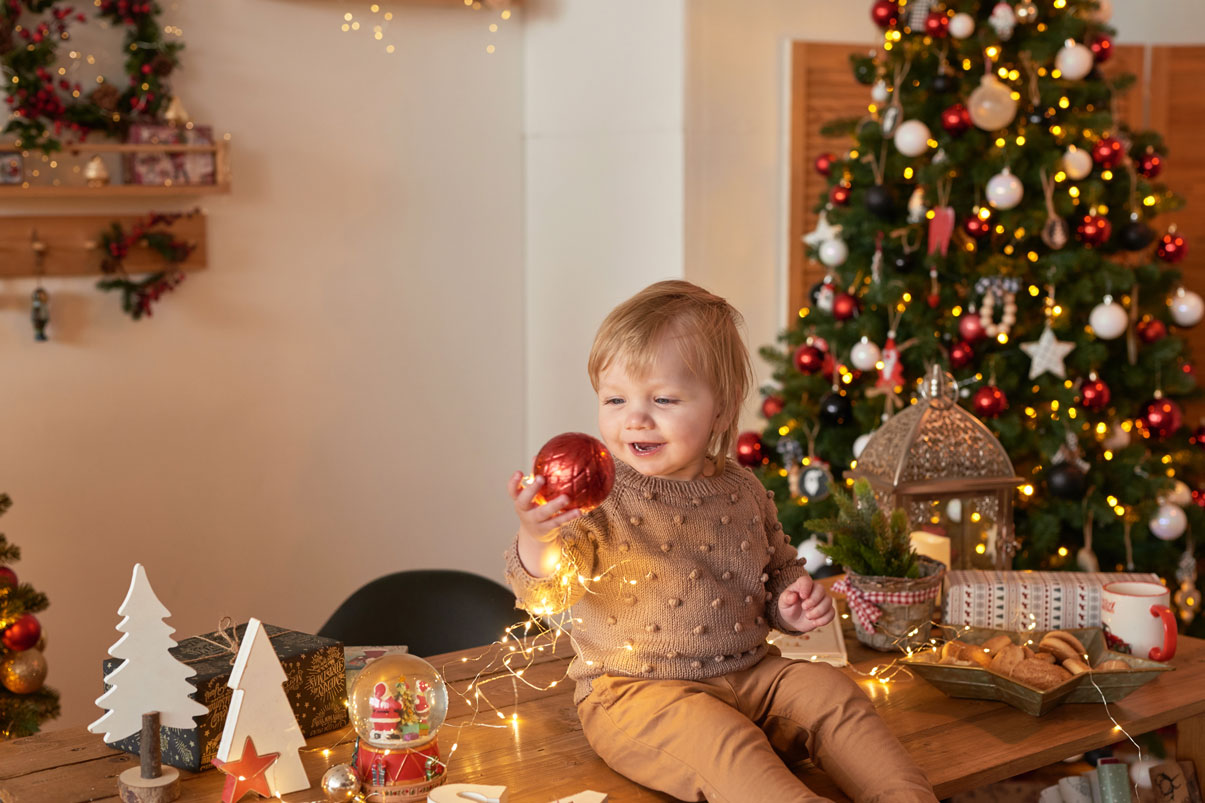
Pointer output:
x,y
246,774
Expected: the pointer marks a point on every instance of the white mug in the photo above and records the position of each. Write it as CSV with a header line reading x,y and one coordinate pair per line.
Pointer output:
x,y
1138,614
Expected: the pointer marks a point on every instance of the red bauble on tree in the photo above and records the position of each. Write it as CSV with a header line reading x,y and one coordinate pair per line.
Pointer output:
x,y
1158,418
578,466
885,13
824,163
1108,152
845,306
840,194
1101,46
1172,247
1149,164
956,120
961,355
772,406
749,449
22,634
970,328
937,25
1197,438
989,401
977,227
7,577
1094,230
1151,329
808,359
1094,395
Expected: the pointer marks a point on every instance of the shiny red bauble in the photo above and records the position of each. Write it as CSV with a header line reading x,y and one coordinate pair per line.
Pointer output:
x,y
1101,46
977,227
956,120
989,401
961,355
970,328
845,306
749,449
824,163
1108,152
808,359
22,634
578,466
840,194
1093,230
1151,330
1094,395
772,406
1197,438
885,13
7,577
1149,164
1158,418
1172,247
937,25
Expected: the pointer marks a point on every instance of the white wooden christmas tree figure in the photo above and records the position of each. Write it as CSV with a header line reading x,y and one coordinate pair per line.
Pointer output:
x,y
259,708
149,678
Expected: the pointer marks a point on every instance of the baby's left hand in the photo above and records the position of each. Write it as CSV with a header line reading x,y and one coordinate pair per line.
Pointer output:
x,y
805,605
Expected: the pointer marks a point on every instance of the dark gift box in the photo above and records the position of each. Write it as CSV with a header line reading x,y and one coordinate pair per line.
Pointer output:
x,y
316,688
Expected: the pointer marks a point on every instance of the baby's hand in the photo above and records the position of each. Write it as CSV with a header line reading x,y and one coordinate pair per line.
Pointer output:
x,y
805,606
538,521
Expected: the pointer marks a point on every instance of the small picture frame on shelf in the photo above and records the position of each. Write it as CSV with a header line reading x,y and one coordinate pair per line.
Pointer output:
x,y
166,168
12,168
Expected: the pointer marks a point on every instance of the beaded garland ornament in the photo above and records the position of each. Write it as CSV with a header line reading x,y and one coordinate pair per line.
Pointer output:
x,y
1006,291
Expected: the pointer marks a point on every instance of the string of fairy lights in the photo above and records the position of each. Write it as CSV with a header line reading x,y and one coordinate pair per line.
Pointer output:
x,y
377,21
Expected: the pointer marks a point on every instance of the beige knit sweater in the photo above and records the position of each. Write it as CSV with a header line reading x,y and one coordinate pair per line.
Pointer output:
x,y
668,579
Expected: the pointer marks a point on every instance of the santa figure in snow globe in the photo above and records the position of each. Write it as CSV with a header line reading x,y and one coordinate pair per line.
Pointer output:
x,y
398,703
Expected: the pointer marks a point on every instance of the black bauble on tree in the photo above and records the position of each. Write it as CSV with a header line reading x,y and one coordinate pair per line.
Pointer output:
x,y
836,409
903,263
1135,235
880,201
1066,480
944,82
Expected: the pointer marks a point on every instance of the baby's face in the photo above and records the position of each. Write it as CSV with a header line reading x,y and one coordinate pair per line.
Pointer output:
x,y
659,424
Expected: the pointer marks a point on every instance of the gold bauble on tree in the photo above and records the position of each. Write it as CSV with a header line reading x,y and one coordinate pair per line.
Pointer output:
x,y
23,672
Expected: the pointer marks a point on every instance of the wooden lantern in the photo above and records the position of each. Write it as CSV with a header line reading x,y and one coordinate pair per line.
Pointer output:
x,y
949,473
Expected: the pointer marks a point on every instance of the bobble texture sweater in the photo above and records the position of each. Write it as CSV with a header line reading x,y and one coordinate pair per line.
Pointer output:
x,y
709,560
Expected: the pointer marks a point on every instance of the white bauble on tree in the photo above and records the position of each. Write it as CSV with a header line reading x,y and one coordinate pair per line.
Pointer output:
x,y
833,253
912,138
991,105
962,25
860,444
1178,495
1004,190
864,355
878,92
1169,522
1186,307
809,550
1077,163
1074,61
1108,319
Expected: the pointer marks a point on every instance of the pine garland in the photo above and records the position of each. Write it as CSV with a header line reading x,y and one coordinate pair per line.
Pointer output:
x,y
138,295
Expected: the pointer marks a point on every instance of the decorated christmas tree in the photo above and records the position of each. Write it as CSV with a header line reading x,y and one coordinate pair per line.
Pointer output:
x,y
992,215
24,702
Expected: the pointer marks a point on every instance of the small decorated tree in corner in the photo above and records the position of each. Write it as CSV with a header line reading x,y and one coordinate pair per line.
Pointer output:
x,y
24,702
890,588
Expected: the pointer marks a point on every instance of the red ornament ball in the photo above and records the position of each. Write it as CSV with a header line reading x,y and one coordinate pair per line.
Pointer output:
x,y
961,355
1159,418
885,13
749,449
1197,438
824,163
1151,330
989,401
1172,247
1094,395
22,634
1101,46
937,25
7,577
1108,152
772,406
845,306
808,359
970,328
1094,230
840,194
1149,164
933,300
977,227
578,466
956,120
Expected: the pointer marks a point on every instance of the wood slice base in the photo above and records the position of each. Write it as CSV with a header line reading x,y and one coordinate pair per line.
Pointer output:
x,y
136,789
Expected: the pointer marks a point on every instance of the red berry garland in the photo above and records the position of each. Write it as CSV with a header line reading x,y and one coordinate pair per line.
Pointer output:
x,y
138,295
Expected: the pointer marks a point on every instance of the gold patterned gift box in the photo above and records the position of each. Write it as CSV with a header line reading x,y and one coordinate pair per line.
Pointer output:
x,y
315,685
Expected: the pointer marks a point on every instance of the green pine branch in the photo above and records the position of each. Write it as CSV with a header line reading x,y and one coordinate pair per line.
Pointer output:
x,y
864,540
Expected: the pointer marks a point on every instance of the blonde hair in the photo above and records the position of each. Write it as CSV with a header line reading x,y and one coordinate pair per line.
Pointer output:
x,y
707,331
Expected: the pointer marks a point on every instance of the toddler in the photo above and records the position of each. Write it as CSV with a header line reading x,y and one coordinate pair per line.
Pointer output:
x,y
676,579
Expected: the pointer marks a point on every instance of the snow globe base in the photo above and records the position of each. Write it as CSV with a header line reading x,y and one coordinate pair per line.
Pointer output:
x,y
400,775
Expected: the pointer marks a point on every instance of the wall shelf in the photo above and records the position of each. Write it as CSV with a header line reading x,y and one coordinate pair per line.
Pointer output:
x,y
221,169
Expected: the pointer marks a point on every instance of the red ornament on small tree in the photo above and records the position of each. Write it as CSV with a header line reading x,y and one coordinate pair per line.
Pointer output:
x,y
840,194
22,634
885,13
1172,247
1094,395
1094,230
961,355
1108,152
824,163
989,401
845,306
577,465
1149,164
1159,418
749,449
7,577
937,25
808,359
1151,330
977,227
1101,46
970,328
772,406
956,120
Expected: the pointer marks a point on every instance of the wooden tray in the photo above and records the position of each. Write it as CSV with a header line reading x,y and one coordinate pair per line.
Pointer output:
x,y
977,683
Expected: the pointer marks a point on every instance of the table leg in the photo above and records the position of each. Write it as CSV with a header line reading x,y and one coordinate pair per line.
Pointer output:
x,y
1190,743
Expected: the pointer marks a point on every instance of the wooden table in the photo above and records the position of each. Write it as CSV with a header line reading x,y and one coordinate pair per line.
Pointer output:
x,y
960,744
